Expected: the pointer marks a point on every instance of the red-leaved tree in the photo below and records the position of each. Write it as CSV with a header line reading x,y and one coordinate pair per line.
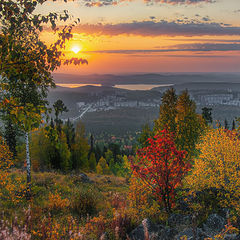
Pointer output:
x,y
161,167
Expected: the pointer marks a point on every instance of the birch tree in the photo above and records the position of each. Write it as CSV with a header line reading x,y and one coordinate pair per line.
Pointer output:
x,y
26,63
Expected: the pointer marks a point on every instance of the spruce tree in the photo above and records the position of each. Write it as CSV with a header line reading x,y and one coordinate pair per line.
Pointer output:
x,y
188,123
207,115
92,162
69,131
167,113
145,134
226,126
233,125
80,149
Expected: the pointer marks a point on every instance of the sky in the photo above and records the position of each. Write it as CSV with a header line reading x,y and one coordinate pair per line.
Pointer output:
x,y
141,36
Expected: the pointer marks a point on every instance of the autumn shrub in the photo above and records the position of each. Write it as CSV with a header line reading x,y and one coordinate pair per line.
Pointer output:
x,y
47,179
12,187
57,203
85,202
117,200
201,203
51,228
218,166
141,202
229,229
121,225
161,167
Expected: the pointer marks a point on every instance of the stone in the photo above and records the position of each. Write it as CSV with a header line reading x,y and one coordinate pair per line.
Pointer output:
x,y
179,220
214,224
146,230
84,178
104,236
192,234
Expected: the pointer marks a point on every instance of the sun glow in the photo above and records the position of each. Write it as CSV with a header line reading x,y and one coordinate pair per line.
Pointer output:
x,y
76,49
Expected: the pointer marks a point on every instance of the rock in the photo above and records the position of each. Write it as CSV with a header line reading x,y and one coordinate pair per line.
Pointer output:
x,y
237,237
84,178
167,233
191,233
104,236
214,224
179,220
183,206
231,237
146,230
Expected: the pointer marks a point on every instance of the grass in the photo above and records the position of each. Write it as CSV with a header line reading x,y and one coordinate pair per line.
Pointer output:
x,y
63,206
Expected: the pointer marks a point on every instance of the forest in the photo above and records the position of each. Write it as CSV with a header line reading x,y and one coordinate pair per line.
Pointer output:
x,y
179,181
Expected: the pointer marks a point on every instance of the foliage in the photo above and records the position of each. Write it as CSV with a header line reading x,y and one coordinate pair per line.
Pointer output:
x,y
189,124
167,113
11,187
10,134
141,203
178,115
57,203
161,167
102,166
80,149
123,169
145,134
59,108
26,63
92,162
229,229
109,156
85,203
207,115
218,165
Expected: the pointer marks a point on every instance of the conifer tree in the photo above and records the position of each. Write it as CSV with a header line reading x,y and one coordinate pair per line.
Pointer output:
x,y
167,113
145,134
207,115
59,108
188,123
80,149
226,124
64,153
109,156
92,162
102,167
69,131
233,125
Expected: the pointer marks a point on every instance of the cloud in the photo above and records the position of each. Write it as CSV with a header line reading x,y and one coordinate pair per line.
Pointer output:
x,y
175,2
203,40
209,47
160,28
183,56
101,3
203,47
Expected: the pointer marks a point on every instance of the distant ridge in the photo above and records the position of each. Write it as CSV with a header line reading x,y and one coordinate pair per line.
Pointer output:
x,y
151,78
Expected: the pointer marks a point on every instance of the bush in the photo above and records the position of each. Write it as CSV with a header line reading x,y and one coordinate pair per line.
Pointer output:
x,y
218,166
85,202
141,202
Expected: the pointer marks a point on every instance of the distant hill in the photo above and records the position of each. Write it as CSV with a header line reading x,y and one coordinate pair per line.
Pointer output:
x,y
110,80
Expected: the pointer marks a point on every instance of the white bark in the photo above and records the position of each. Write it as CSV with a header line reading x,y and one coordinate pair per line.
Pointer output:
x,y
28,163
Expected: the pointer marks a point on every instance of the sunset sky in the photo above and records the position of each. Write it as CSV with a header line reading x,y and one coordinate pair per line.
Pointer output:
x,y
129,36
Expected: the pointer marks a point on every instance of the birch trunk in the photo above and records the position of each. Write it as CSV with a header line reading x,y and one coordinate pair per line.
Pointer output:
x,y
28,193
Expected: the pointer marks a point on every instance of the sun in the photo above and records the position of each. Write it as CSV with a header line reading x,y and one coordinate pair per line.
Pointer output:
x,y
76,49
